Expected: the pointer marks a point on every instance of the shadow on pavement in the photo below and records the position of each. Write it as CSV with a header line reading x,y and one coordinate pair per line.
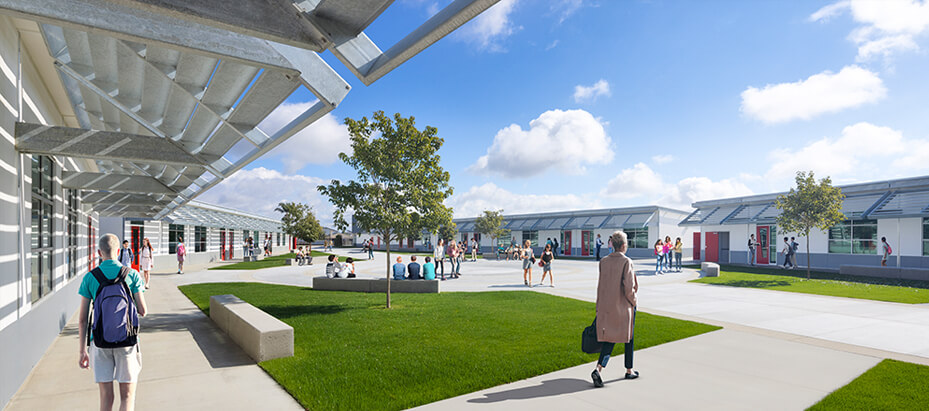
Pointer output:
x,y
548,388
220,351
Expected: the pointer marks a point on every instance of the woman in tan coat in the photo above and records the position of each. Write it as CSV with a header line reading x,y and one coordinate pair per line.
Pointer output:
x,y
616,305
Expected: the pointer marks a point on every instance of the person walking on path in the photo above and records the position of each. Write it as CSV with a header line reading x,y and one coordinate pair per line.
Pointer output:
x,y
598,245
547,257
474,248
678,253
146,261
438,253
181,251
371,249
528,257
555,248
617,291
751,250
453,258
885,251
123,362
125,254
659,256
794,246
788,253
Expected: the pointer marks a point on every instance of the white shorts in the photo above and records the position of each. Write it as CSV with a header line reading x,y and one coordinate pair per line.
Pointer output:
x,y
116,364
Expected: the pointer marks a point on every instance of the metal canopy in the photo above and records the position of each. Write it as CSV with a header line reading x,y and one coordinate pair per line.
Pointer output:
x,y
206,215
169,93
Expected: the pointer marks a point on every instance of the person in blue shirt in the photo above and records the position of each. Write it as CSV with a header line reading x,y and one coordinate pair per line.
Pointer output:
x,y
125,254
598,245
413,269
429,269
399,269
111,364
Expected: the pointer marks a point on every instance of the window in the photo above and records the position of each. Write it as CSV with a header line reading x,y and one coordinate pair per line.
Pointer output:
x,y
278,239
42,229
71,252
925,236
175,235
854,237
637,237
199,239
532,236
91,244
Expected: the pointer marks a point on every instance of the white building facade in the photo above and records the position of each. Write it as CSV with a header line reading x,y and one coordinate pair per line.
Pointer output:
x,y
897,210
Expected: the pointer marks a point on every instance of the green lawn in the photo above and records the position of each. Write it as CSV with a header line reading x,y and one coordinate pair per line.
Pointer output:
x,y
880,289
352,353
890,385
274,261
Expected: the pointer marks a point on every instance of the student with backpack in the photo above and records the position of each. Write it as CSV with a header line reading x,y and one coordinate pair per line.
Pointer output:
x,y
181,251
112,335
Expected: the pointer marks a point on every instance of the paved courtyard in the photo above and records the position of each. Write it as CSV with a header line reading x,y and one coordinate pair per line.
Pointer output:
x,y
778,350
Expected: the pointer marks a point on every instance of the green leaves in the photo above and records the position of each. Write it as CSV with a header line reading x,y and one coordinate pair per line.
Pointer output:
x,y
491,224
299,221
400,187
810,205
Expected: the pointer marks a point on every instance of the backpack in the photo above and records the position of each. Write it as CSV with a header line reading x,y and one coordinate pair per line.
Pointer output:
x,y
889,250
795,246
181,250
115,321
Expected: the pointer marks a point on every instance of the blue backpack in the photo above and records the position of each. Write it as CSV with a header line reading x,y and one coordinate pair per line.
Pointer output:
x,y
115,318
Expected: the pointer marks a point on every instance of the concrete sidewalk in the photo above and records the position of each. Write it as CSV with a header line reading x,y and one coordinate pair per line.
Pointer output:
x,y
187,364
721,370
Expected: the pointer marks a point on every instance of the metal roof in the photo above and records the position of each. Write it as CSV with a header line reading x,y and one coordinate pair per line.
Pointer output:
x,y
882,199
168,94
207,215
630,217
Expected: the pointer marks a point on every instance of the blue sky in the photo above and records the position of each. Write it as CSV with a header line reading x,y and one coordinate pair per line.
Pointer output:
x,y
569,104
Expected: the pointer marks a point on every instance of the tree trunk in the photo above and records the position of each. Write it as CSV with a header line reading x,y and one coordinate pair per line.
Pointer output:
x,y
387,248
807,257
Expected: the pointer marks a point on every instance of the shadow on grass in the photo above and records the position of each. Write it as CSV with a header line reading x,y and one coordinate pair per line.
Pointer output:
x,y
755,283
290,311
550,388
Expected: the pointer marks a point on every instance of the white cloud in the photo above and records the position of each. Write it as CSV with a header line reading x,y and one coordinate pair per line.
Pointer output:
x,y
662,159
864,152
552,45
567,140
491,197
821,93
641,182
259,190
319,143
488,30
638,181
887,26
590,93
565,8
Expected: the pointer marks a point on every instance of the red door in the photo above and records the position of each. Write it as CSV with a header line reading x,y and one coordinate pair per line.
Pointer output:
x,y
697,245
222,245
566,242
231,242
585,242
378,242
762,254
409,242
136,244
712,247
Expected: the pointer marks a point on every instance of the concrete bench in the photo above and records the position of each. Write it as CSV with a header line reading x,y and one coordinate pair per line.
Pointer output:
x,y
902,273
260,335
372,285
253,258
293,261
710,269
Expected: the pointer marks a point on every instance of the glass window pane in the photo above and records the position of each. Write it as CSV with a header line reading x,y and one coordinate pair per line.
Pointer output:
x,y
47,226
926,229
864,231
47,272
865,247
839,247
925,247
35,276
839,232
36,209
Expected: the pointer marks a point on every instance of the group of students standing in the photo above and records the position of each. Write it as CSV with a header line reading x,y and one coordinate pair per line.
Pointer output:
x,y
527,256
668,256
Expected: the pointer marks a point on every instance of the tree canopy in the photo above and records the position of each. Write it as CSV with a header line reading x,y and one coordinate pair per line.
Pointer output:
x,y
810,205
299,221
491,225
400,187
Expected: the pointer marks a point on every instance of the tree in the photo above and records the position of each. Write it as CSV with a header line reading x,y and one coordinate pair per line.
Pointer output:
x,y
448,231
400,186
491,224
810,205
299,221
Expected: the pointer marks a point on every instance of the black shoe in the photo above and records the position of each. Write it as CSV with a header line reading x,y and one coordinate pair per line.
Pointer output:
x,y
634,375
596,377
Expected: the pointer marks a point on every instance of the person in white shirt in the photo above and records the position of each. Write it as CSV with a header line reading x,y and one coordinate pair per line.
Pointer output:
x,y
333,268
474,247
439,255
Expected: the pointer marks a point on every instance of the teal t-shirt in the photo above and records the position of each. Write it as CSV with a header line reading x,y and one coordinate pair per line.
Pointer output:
x,y
110,268
429,271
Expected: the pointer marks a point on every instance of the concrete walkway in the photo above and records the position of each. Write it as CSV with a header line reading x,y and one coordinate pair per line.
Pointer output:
x,y
187,364
778,350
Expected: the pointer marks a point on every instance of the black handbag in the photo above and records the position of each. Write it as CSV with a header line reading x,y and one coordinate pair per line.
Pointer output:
x,y
589,343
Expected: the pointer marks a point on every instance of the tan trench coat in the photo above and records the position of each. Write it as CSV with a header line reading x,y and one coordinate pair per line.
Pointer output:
x,y
616,297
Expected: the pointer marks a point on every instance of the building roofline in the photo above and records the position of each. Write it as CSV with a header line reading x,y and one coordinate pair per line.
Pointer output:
x,y
575,213
848,189
214,207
